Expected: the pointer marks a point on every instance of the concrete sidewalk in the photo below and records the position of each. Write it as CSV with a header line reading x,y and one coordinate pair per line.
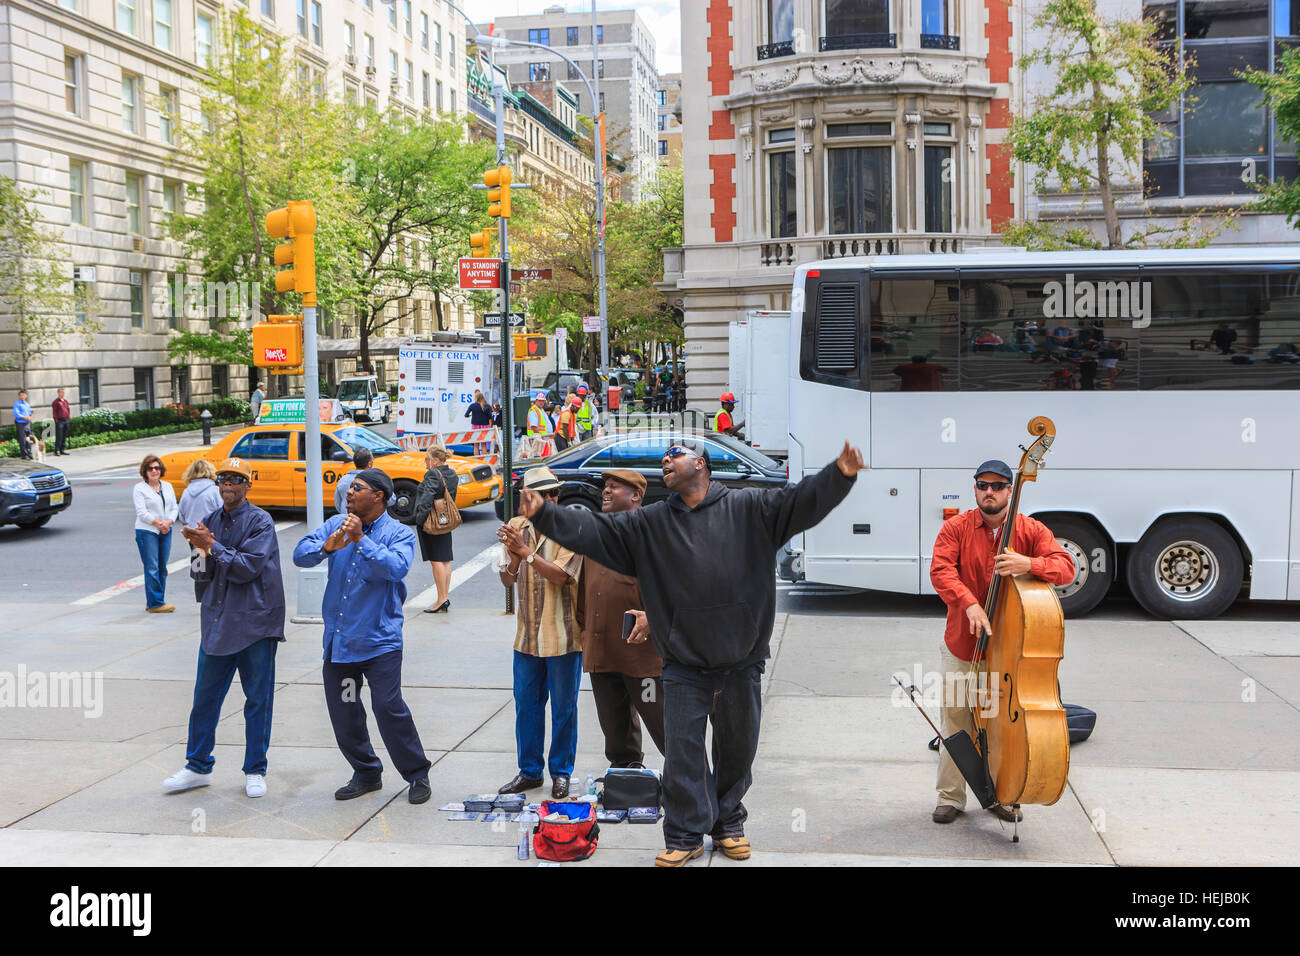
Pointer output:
x,y
1197,744
100,458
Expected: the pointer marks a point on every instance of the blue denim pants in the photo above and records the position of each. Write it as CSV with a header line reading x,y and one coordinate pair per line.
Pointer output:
x,y
537,678
155,549
700,799
256,666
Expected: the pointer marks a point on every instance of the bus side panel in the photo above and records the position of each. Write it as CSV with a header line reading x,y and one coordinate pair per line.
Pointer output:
x,y
870,539
940,489
1293,587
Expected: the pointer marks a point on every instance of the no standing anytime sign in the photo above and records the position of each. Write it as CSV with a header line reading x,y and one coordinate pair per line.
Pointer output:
x,y
480,273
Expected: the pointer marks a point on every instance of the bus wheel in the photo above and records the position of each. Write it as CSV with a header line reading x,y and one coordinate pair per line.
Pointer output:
x,y
1185,568
1093,564
404,495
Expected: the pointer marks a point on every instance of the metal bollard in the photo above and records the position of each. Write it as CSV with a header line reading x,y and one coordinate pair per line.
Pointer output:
x,y
206,418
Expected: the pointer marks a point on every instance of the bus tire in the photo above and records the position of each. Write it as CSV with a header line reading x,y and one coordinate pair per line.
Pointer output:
x,y
1185,567
1094,562
404,493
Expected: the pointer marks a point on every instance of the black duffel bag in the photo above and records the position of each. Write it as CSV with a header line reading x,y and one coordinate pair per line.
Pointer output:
x,y
629,787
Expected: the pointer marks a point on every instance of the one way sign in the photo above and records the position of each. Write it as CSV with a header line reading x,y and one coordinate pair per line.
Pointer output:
x,y
493,319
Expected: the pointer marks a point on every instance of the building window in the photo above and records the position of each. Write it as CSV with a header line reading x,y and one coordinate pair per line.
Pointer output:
x,y
856,17
268,9
938,188
452,94
302,17
410,81
424,30
317,30
181,384
1225,142
136,280
602,101
168,113
663,147
860,189
539,72
130,99
350,41
600,33
437,95
175,299
780,21
600,68
425,90
133,208
143,388
126,16
203,39
571,36
406,17
221,381
934,17
370,52
392,67
781,192
162,24
72,83
540,36
77,192
88,389
661,97
437,43
172,202
573,73
392,15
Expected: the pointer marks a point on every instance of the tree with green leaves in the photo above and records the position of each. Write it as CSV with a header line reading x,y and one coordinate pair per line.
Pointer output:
x,y
266,136
1109,84
1281,95
411,200
40,300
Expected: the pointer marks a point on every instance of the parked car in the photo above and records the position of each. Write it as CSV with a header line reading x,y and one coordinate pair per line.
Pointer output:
x,y
581,467
31,492
277,455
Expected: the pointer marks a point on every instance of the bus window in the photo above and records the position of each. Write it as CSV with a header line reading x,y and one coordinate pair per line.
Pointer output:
x,y
1047,332
832,340
914,335
1222,330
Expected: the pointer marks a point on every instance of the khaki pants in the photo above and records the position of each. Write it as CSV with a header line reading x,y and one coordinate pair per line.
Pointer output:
x,y
955,716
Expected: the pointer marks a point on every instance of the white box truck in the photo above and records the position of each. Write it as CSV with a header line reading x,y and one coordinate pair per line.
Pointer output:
x,y
436,381
758,372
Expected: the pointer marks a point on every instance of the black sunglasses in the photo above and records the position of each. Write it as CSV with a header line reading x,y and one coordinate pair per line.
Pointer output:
x,y
231,480
995,485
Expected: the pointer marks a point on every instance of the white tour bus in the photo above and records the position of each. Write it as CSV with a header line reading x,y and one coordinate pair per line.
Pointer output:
x,y
1173,378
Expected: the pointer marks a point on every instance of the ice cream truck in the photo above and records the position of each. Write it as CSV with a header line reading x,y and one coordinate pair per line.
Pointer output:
x,y
436,381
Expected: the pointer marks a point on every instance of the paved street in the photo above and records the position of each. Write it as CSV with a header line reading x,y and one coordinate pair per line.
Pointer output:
x,y
1198,733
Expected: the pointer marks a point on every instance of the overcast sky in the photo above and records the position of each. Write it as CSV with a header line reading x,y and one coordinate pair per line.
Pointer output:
x,y
662,17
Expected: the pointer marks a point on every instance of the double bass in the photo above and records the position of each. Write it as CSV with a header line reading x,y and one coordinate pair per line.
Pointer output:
x,y
1021,729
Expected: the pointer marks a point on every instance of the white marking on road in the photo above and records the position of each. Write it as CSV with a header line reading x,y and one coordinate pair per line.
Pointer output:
x,y
459,575
130,584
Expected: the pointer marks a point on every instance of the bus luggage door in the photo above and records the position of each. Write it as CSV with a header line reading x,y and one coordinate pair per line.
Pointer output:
x,y
870,540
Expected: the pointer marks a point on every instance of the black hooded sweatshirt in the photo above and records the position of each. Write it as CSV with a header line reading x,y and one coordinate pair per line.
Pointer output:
x,y
706,574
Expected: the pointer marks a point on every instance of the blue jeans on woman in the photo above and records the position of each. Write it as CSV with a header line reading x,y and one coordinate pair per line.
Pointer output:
x,y
155,549
256,666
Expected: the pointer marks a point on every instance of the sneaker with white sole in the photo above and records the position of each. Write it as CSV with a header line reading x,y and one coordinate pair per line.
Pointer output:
x,y
186,779
254,785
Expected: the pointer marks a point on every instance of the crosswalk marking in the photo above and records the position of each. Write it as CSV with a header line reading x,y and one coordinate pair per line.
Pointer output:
x,y
130,584
459,575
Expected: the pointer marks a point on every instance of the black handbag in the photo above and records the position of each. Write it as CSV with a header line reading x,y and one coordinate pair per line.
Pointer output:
x,y
1081,721
630,787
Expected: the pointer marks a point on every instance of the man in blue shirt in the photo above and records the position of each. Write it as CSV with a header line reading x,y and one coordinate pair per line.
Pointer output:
x,y
369,554
23,424
240,591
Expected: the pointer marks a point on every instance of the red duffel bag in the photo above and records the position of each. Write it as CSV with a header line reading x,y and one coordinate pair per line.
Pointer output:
x,y
565,831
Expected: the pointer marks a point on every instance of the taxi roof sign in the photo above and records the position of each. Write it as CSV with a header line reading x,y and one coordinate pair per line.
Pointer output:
x,y
291,411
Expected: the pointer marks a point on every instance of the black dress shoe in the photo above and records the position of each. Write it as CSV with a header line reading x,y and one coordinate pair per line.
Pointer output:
x,y
521,783
419,790
560,787
355,788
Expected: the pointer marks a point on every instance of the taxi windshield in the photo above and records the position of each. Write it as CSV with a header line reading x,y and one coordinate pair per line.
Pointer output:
x,y
365,438
352,391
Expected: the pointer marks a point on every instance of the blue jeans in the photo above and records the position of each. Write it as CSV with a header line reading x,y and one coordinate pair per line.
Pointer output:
x,y
256,666
536,678
155,549
700,799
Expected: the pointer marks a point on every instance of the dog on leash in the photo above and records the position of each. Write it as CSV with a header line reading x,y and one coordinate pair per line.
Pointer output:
x,y
37,448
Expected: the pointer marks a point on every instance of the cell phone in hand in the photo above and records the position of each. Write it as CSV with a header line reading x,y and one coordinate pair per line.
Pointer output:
x,y
629,622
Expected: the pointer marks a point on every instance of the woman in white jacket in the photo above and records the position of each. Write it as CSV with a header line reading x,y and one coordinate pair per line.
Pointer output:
x,y
155,510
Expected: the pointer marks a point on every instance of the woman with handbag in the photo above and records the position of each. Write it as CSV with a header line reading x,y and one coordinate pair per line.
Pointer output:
x,y
436,517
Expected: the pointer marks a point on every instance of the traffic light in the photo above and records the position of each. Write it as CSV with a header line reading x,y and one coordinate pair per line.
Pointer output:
x,y
527,347
498,184
480,244
297,223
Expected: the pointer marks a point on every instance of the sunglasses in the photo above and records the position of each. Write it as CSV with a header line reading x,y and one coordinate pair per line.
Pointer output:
x,y
231,480
994,485
154,468
681,450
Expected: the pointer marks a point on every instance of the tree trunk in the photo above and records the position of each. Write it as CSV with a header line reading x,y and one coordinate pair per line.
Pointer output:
x,y
437,310
363,331
1114,239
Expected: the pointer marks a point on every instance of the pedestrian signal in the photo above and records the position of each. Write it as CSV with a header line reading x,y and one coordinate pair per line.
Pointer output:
x,y
527,347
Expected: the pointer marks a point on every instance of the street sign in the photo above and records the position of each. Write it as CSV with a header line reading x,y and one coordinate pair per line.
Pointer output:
x,y
481,273
591,323
516,288
527,275
561,333
493,319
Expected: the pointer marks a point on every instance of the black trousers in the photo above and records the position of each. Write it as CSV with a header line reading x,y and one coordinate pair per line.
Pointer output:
x,y
61,428
619,699
343,684
24,430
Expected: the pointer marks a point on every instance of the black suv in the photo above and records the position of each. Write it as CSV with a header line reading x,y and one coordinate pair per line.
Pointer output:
x,y
31,492
581,467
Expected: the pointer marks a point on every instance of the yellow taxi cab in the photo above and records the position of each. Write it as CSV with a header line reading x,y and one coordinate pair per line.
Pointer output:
x,y
277,455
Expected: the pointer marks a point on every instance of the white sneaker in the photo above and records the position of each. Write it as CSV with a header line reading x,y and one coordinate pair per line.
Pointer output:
x,y
186,779
254,785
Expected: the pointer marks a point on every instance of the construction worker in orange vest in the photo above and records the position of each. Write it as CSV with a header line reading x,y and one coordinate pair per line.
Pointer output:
x,y
723,422
566,429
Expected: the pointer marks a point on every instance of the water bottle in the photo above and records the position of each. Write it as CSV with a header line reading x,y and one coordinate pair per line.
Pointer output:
x,y
525,841
591,786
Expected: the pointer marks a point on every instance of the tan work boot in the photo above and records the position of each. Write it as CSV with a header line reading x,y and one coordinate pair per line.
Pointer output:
x,y
736,848
678,857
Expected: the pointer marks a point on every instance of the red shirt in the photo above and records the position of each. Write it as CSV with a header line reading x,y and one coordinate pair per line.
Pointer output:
x,y
963,567
61,410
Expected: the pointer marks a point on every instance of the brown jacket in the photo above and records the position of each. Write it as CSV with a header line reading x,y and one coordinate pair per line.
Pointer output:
x,y
603,598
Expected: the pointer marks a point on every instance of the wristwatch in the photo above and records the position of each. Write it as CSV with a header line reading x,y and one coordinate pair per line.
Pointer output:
x,y
531,555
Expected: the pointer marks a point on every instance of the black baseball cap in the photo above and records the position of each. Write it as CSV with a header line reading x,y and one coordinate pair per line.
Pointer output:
x,y
377,480
994,467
